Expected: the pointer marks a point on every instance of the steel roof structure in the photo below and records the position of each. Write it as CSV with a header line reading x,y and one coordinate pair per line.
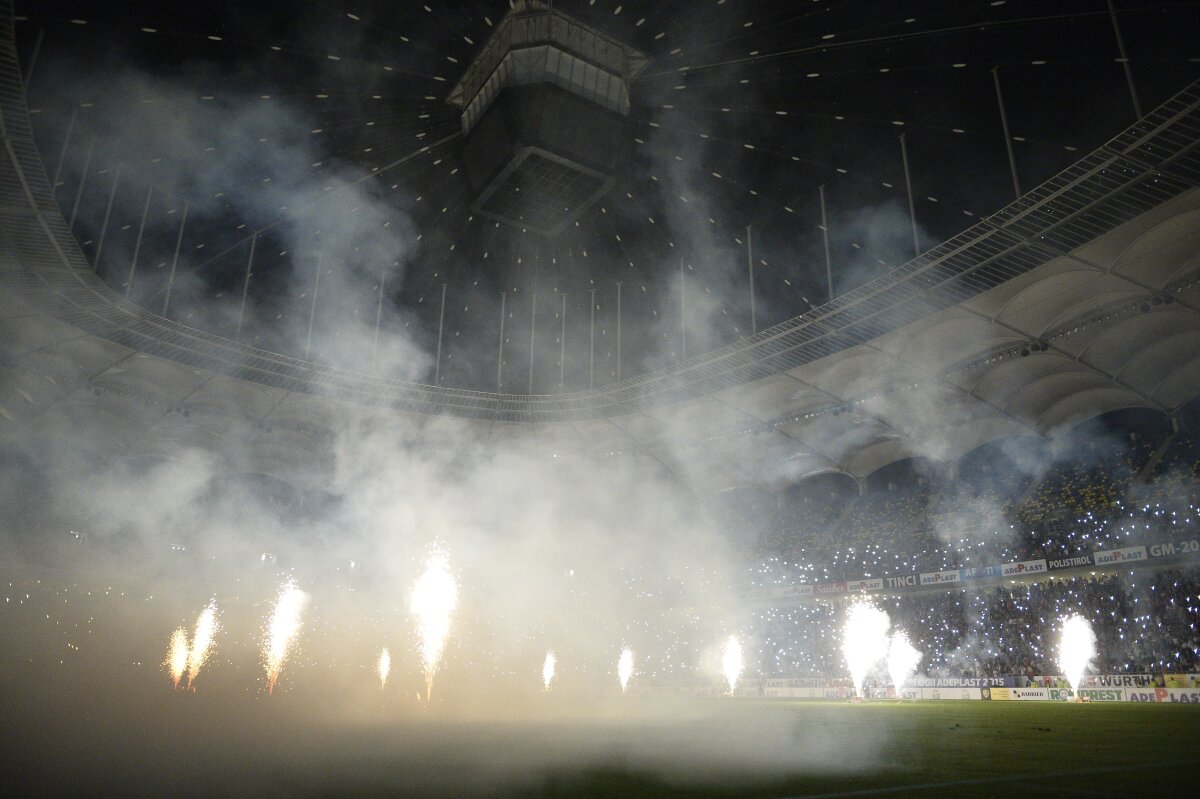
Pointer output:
x,y
1079,298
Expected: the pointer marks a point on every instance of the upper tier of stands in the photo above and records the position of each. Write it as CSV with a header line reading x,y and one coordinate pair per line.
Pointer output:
x,y
1095,487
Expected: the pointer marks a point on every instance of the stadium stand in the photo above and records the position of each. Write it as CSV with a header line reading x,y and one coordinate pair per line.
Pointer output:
x,y
1101,491
1144,625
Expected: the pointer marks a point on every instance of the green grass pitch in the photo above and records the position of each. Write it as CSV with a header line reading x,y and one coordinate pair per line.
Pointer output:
x,y
945,749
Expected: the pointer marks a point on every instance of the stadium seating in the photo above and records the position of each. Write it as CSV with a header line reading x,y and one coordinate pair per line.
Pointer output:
x,y
1149,625
1105,498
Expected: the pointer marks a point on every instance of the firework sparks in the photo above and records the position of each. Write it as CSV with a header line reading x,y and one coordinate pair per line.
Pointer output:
x,y
864,640
202,640
434,597
625,668
902,660
177,656
385,667
548,669
1076,648
282,630
732,662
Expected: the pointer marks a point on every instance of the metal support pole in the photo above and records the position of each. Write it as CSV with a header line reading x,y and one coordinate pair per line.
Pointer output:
x,y
87,164
1133,95
107,215
437,366
750,267
592,343
37,48
62,154
500,359
825,239
378,317
246,286
562,342
1012,159
312,309
682,312
532,333
137,247
175,261
618,329
912,207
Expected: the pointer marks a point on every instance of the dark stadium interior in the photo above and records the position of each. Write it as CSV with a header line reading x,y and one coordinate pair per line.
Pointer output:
x,y
765,398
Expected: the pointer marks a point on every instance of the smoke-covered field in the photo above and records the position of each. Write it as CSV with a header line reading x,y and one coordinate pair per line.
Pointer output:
x,y
89,709
68,738
96,701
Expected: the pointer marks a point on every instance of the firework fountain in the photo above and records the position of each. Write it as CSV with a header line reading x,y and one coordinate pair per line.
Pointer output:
x,y
902,660
385,667
282,630
1076,649
548,669
434,598
864,640
625,668
732,662
177,656
202,641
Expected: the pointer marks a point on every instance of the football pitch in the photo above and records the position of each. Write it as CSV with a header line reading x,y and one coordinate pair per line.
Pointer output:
x,y
61,741
951,748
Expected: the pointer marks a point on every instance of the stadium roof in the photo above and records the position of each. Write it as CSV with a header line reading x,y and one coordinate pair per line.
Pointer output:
x,y
1078,298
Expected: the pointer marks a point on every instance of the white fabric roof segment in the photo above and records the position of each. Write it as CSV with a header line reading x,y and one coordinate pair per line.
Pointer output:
x,y
1103,355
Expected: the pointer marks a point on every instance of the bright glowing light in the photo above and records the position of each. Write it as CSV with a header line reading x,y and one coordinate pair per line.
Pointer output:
x,y
282,630
1076,648
864,640
385,667
902,660
434,597
548,669
732,663
625,668
202,640
177,656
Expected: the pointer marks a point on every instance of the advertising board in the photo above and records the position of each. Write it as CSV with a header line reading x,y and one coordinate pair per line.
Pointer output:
x,y
1124,680
1186,695
802,589
1169,548
1073,562
922,681
944,693
1181,680
1023,567
1102,694
1124,555
937,578
980,572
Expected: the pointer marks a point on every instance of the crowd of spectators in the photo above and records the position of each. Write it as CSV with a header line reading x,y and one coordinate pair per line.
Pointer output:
x,y
1091,493
1144,623
1093,496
